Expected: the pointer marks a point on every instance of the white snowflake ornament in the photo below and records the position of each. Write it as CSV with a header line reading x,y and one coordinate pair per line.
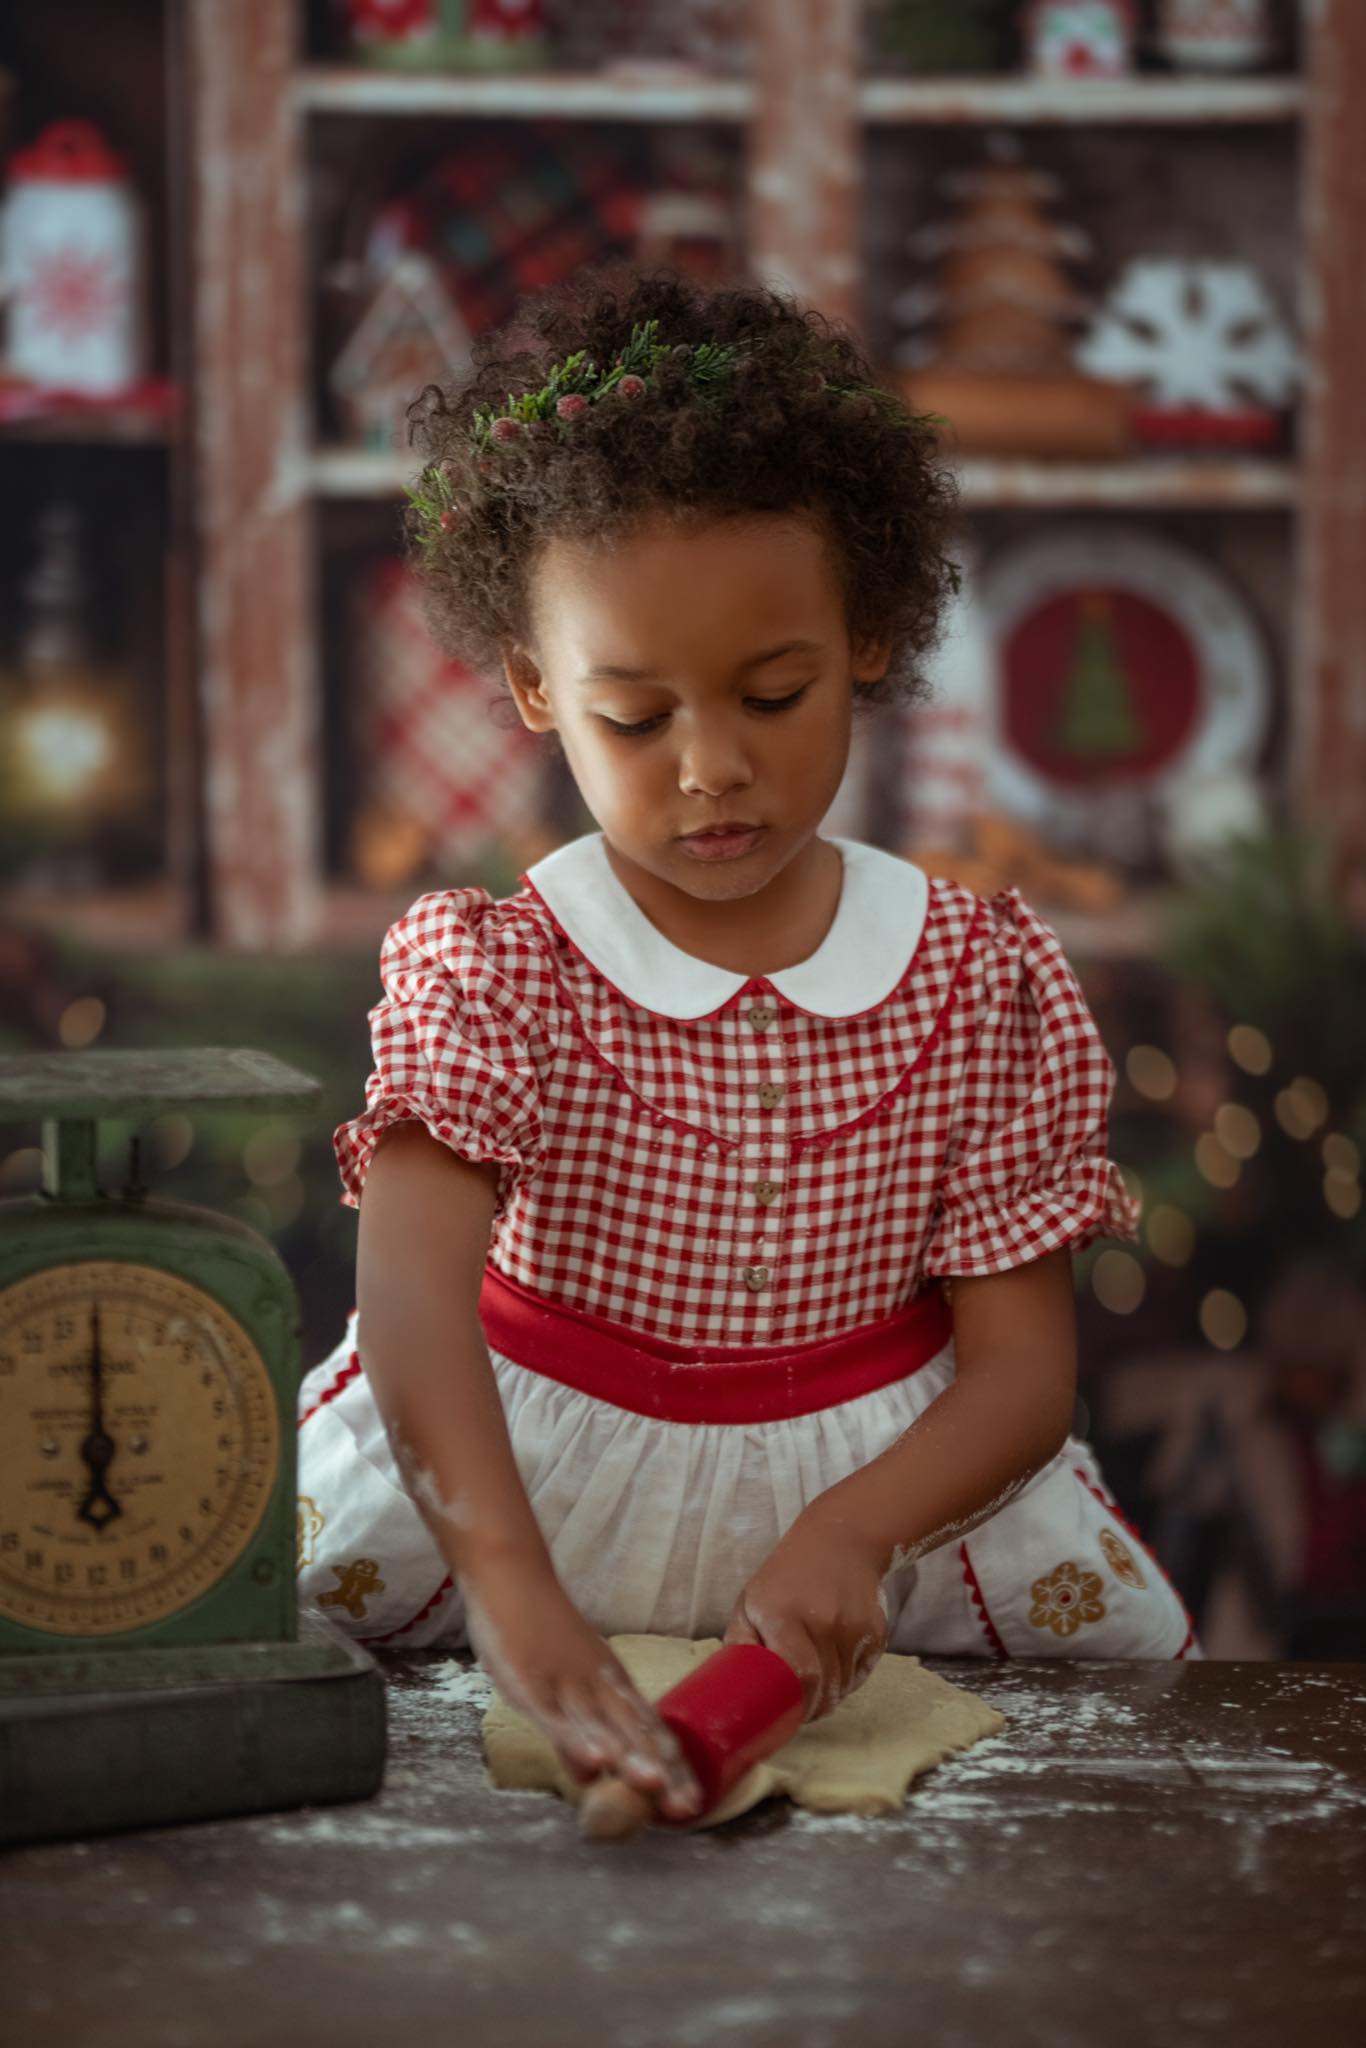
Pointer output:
x,y
1196,333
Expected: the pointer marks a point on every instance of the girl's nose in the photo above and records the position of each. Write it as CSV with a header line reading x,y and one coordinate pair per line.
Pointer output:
x,y
710,764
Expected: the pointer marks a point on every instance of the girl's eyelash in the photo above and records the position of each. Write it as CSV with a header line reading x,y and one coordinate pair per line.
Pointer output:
x,y
765,704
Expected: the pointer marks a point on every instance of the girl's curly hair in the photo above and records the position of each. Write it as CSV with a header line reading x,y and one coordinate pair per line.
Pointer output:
x,y
781,433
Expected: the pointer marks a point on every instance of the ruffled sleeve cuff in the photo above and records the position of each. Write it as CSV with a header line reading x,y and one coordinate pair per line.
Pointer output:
x,y
1028,1168
989,1236
354,1144
456,1048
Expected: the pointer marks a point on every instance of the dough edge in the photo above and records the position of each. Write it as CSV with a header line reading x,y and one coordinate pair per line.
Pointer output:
x,y
900,1723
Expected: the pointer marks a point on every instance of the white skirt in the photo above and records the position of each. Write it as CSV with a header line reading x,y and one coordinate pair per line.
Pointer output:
x,y
655,1526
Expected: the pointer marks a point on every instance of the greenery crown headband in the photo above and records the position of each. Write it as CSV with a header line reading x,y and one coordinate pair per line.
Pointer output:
x,y
571,388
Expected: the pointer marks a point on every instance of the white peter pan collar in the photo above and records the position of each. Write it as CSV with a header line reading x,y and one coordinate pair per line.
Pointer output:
x,y
869,946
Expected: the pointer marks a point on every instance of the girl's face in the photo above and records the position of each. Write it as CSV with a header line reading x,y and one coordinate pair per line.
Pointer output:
x,y
697,678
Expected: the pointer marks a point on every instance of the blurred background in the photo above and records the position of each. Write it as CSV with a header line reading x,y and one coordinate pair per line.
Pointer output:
x,y
1121,247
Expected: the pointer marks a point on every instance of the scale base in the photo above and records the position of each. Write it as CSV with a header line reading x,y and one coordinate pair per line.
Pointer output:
x,y
93,1741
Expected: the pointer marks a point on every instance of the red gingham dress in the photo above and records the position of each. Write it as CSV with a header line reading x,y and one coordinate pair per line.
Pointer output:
x,y
710,1159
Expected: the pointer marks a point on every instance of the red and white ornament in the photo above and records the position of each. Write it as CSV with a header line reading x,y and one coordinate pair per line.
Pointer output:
x,y
394,21
506,21
1079,38
1128,668
1215,35
71,265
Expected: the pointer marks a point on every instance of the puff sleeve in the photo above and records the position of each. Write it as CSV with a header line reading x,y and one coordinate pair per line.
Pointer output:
x,y
459,1044
1027,1169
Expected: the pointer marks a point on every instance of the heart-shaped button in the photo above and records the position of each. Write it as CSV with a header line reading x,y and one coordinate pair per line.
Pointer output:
x,y
765,1191
755,1277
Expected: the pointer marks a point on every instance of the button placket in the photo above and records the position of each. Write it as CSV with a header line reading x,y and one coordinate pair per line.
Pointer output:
x,y
765,1141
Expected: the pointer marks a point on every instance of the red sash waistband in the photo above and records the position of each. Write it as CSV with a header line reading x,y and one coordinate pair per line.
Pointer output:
x,y
674,1383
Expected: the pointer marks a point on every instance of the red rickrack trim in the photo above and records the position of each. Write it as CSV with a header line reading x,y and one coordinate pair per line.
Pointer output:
x,y
989,1628
817,1140
421,1615
601,1061
1124,1522
343,1379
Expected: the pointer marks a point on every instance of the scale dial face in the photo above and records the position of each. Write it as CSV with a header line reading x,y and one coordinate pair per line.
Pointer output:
x,y
139,1446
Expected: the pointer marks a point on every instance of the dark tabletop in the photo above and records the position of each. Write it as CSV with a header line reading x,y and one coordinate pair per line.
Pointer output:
x,y
1150,1853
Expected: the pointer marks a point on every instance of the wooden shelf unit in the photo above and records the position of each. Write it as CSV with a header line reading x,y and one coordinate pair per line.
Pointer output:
x,y
807,117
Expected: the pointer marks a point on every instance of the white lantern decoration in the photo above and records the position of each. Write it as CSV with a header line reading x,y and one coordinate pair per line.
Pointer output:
x,y
71,266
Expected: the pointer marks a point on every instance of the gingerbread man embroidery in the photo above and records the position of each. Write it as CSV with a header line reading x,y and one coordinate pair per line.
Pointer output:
x,y
308,1524
359,1580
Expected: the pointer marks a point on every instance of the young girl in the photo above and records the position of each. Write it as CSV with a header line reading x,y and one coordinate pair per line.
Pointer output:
x,y
720,1185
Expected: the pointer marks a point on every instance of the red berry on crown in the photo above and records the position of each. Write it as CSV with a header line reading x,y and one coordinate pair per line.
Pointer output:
x,y
506,430
570,406
632,386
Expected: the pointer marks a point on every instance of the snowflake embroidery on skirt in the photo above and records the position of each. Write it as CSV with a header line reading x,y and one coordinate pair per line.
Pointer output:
x,y
1065,1598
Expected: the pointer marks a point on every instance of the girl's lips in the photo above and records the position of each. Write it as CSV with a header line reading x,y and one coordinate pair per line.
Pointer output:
x,y
721,845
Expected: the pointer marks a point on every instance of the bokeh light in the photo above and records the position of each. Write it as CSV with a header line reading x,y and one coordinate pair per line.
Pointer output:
x,y
1171,1235
271,1155
81,1022
1151,1072
22,1171
1342,1195
1250,1049
1237,1129
172,1140
1118,1282
1340,1155
1219,1167
1223,1319
1301,1107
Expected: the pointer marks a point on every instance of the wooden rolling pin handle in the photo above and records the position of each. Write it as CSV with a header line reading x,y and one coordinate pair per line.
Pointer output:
x,y
612,1810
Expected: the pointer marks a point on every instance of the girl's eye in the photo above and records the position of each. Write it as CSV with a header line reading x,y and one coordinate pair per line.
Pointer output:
x,y
778,703
631,731
764,704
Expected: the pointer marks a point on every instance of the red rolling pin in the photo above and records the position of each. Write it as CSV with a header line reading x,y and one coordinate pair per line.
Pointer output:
x,y
739,1706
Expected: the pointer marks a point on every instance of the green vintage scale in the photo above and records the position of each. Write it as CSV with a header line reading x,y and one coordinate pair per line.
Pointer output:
x,y
154,1662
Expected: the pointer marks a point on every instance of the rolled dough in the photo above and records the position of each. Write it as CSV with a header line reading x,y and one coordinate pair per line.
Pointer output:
x,y
860,1759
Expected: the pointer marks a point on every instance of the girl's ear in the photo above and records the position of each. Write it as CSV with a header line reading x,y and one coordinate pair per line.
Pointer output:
x,y
870,660
528,690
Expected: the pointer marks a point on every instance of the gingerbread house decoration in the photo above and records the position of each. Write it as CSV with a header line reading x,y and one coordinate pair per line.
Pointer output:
x,y
411,334
1079,38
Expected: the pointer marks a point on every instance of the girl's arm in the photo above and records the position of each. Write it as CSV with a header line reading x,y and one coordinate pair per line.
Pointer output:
x,y
999,1421
425,1218
1006,1413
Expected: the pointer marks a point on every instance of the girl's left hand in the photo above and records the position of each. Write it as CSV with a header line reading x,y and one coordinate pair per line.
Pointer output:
x,y
816,1600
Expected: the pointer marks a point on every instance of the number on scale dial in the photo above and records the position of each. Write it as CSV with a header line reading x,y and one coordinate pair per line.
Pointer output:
x,y
139,1446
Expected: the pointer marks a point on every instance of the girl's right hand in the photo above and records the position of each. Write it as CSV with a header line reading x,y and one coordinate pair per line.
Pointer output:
x,y
553,1667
